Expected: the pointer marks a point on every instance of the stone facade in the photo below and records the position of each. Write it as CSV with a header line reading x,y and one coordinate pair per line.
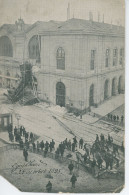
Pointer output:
x,y
91,60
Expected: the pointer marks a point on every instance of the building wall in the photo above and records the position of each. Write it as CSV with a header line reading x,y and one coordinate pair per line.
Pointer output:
x,y
77,76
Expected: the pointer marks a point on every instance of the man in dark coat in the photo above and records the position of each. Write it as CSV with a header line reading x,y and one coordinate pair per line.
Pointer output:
x,y
50,146
75,141
15,131
97,138
70,167
81,143
73,147
49,187
42,145
45,151
31,136
69,145
34,146
21,130
25,154
117,118
73,180
24,131
53,144
122,118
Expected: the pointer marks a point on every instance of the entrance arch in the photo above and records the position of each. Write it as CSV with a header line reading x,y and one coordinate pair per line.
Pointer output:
x,y
120,85
106,91
6,48
60,94
113,86
91,95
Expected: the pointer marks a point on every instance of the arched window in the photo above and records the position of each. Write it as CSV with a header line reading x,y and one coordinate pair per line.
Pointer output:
x,y
121,85
114,88
33,47
60,57
6,48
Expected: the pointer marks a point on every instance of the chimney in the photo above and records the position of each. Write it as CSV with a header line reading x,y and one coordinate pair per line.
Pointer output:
x,y
90,16
68,12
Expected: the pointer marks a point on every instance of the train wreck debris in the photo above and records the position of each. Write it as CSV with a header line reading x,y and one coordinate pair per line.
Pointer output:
x,y
26,91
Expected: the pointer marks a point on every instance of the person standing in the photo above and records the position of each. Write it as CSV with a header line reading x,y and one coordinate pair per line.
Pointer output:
x,y
42,145
25,154
81,143
73,147
75,141
49,187
73,180
70,167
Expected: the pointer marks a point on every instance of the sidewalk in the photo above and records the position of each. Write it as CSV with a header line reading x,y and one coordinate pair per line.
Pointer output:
x,y
109,105
103,109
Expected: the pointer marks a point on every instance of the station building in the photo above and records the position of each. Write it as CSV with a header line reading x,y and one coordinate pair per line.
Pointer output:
x,y
79,63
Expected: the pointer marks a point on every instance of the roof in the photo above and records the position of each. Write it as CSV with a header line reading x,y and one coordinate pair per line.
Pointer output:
x,y
45,26
71,26
87,27
12,28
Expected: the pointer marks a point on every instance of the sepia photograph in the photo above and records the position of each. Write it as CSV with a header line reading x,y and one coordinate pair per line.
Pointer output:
x,y
62,95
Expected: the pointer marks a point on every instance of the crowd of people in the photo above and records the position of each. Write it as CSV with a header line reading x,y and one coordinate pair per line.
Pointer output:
x,y
115,118
21,136
102,150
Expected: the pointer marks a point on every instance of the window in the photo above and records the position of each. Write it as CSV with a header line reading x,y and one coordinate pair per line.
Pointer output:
x,y
34,50
60,57
115,52
121,56
92,62
6,48
107,57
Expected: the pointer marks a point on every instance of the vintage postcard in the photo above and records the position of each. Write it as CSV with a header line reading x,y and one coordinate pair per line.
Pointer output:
x,y
62,84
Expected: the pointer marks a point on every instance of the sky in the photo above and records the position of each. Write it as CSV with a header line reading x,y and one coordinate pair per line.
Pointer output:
x,y
45,10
